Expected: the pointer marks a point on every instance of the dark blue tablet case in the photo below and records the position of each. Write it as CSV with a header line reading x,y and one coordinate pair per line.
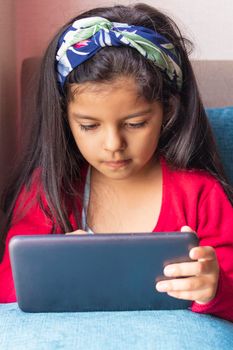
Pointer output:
x,y
102,272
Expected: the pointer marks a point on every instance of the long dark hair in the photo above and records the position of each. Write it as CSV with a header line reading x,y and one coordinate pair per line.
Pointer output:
x,y
186,140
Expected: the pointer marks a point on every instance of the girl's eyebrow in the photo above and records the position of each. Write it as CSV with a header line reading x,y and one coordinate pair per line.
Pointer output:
x,y
84,116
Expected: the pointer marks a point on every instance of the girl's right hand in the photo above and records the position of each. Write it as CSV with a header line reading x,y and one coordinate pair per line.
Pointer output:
x,y
77,232
196,280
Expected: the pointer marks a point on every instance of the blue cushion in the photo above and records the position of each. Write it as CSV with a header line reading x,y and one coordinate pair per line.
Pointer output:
x,y
221,120
130,330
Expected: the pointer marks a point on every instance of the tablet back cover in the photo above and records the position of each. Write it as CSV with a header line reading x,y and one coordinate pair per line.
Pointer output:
x,y
54,273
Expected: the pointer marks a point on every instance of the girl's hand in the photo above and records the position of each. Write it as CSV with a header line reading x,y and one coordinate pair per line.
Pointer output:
x,y
201,275
77,232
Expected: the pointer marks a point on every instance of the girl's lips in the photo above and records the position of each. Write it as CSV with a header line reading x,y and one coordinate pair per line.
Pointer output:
x,y
117,164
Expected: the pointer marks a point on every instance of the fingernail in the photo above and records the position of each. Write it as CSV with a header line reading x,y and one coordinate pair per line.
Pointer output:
x,y
192,253
161,287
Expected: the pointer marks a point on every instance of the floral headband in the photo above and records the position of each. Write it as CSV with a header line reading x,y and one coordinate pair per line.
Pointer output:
x,y
87,36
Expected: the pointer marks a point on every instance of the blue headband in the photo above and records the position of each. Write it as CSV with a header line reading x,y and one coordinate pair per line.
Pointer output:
x,y
85,37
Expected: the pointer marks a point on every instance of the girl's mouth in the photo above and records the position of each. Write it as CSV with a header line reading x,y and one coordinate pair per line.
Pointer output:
x,y
118,163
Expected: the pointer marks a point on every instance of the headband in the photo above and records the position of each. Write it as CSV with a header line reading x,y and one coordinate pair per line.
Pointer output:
x,y
85,37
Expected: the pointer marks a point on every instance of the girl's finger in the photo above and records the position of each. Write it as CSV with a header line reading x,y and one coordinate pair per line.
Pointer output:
x,y
183,284
187,229
201,296
189,269
77,232
207,253
182,295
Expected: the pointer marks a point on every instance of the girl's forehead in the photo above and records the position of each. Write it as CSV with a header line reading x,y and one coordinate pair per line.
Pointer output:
x,y
104,88
110,102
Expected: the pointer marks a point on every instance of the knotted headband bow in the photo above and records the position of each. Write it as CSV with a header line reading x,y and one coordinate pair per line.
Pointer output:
x,y
87,36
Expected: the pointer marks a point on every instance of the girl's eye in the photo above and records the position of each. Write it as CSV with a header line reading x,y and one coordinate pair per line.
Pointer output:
x,y
136,125
129,125
88,127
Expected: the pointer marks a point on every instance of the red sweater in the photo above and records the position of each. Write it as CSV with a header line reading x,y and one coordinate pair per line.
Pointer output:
x,y
191,198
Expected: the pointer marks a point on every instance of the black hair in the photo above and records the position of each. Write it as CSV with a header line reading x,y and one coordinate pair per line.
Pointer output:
x,y
186,140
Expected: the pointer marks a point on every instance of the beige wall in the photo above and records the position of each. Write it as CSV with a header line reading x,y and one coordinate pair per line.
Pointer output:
x,y
8,102
208,23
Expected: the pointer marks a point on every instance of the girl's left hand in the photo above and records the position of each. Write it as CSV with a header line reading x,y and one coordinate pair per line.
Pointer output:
x,y
201,276
77,232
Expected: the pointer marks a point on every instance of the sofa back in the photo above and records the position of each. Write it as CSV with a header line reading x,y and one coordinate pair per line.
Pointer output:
x,y
215,81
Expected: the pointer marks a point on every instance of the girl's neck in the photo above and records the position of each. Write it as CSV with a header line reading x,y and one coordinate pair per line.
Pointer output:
x,y
120,205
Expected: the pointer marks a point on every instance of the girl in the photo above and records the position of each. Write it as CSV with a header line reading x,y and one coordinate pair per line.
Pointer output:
x,y
121,143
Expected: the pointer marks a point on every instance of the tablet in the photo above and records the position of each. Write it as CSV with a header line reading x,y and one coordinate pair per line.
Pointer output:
x,y
101,272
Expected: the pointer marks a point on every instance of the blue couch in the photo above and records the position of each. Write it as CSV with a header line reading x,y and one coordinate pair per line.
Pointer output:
x,y
135,330
221,120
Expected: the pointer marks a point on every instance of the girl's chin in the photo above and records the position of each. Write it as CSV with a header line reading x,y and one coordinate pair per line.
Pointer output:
x,y
118,173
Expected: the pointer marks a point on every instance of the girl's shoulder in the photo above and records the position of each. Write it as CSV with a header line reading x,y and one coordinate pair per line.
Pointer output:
x,y
28,216
32,188
31,202
195,191
192,181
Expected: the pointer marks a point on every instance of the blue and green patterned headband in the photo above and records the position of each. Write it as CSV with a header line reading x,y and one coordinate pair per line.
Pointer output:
x,y
87,36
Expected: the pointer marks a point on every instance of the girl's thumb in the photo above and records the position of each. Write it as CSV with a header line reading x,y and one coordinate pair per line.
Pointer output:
x,y
77,232
186,229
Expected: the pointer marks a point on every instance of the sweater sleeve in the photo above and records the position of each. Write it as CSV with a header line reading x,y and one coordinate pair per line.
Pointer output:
x,y
28,216
28,219
216,229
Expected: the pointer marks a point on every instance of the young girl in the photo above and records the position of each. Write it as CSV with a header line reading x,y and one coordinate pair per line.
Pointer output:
x,y
121,143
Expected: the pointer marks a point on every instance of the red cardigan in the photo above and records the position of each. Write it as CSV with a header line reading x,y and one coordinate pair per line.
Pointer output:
x,y
191,198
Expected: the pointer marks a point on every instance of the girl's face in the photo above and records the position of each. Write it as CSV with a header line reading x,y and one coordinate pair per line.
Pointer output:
x,y
116,131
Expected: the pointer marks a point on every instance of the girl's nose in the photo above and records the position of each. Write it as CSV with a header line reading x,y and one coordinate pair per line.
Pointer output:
x,y
114,141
